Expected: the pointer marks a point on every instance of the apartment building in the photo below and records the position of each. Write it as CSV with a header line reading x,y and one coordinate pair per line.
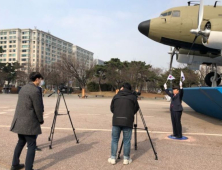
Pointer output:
x,y
83,55
32,48
98,62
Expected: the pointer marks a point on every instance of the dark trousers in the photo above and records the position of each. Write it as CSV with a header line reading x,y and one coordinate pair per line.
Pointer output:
x,y
30,156
176,122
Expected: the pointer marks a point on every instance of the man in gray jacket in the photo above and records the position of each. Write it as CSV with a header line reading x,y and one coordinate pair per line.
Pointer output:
x,y
27,119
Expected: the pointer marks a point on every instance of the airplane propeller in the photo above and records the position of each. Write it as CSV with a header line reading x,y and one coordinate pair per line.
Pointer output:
x,y
198,32
172,53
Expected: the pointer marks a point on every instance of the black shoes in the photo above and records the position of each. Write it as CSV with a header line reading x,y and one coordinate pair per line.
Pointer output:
x,y
17,167
38,149
175,137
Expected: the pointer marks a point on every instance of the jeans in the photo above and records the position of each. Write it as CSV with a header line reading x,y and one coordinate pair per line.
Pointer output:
x,y
30,156
127,134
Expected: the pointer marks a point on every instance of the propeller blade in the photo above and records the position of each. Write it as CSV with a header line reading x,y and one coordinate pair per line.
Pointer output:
x,y
172,54
200,15
192,44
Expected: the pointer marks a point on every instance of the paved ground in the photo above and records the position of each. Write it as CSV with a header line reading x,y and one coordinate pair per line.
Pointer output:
x,y
92,120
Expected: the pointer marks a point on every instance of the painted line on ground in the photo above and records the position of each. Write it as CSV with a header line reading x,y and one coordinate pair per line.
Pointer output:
x,y
9,110
139,131
1,113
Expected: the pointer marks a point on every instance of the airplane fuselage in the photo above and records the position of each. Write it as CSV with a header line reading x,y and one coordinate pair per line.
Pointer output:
x,y
173,27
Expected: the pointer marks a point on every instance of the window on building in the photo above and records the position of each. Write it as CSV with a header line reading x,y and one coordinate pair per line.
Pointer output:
x,y
24,59
12,37
3,33
25,46
12,32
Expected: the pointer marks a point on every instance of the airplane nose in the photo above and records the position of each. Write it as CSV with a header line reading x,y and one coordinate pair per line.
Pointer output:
x,y
144,27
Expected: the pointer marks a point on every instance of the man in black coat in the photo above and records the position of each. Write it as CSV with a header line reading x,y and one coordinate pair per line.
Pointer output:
x,y
27,119
123,106
176,109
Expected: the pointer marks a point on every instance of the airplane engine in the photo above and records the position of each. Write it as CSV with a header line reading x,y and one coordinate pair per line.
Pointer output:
x,y
213,38
195,59
214,41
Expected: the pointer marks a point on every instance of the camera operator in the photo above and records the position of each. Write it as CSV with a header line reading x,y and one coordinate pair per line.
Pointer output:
x,y
123,106
27,119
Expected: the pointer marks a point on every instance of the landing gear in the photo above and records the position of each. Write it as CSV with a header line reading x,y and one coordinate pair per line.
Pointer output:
x,y
213,79
173,51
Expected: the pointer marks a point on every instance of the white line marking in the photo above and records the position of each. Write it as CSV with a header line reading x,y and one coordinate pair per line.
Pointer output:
x,y
10,110
1,113
139,131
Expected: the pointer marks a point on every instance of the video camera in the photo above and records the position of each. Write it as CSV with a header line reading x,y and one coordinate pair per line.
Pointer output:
x,y
62,88
136,93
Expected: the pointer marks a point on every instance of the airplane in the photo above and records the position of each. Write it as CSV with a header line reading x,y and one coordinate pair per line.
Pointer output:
x,y
176,27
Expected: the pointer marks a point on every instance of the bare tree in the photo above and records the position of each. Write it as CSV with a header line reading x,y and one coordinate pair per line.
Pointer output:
x,y
76,68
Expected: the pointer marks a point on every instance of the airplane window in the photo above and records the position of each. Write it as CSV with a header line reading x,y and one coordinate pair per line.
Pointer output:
x,y
166,14
163,14
176,14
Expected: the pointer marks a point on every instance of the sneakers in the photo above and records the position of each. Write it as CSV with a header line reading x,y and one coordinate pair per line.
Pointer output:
x,y
127,161
112,161
17,167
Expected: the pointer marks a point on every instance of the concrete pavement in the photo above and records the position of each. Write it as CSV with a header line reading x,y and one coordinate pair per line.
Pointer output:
x,y
93,122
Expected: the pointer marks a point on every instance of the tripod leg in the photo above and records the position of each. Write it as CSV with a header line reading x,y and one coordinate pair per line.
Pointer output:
x,y
77,140
144,123
121,147
52,134
52,127
54,122
135,135
156,157
54,119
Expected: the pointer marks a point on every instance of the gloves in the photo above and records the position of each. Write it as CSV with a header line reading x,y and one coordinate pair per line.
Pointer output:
x,y
165,86
181,84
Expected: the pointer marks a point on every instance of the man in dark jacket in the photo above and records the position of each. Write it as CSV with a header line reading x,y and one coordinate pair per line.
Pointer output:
x,y
176,109
27,119
123,106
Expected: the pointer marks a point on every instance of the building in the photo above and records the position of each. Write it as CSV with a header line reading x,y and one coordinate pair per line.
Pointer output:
x,y
32,48
98,62
83,56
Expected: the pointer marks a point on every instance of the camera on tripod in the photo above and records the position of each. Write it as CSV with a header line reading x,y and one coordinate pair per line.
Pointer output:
x,y
62,88
136,93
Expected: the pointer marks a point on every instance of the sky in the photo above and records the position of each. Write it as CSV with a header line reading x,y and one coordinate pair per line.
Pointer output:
x,y
108,28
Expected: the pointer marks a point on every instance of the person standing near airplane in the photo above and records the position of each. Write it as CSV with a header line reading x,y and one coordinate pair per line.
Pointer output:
x,y
176,109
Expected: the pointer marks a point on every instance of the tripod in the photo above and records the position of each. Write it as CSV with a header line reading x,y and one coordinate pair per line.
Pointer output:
x,y
55,116
135,135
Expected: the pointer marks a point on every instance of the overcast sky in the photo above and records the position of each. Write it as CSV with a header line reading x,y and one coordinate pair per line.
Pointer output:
x,y
108,28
